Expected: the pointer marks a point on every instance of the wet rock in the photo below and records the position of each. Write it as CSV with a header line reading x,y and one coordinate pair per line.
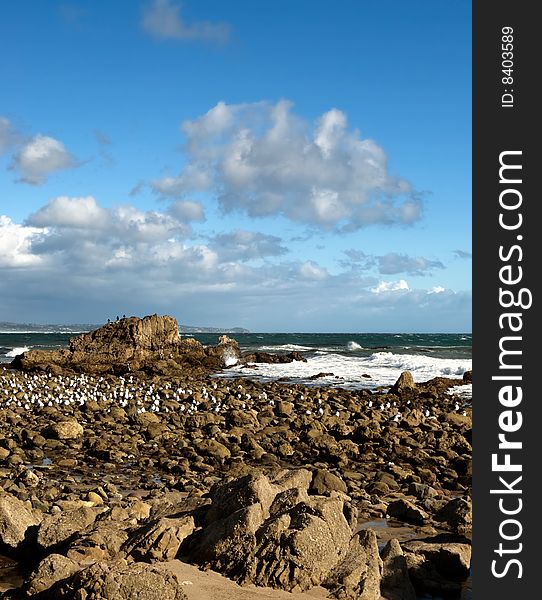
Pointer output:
x,y
405,383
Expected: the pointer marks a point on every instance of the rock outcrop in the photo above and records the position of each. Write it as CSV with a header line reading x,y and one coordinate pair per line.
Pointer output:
x,y
151,345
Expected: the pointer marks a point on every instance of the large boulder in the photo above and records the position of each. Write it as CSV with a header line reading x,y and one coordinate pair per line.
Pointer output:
x,y
151,345
358,575
274,533
122,581
59,529
404,384
395,584
438,565
116,347
159,540
16,519
51,570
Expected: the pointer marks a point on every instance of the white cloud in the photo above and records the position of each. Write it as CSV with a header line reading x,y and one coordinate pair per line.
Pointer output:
x,y
163,20
187,211
247,245
64,211
16,245
57,267
263,159
310,270
390,286
40,157
438,289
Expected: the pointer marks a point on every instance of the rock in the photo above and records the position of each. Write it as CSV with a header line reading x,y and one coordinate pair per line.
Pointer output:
x,y
16,519
266,357
457,513
214,449
358,574
299,548
117,347
103,540
120,581
395,584
404,510
52,569
58,529
273,533
437,565
68,429
405,383
159,540
467,377
230,497
422,490
324,482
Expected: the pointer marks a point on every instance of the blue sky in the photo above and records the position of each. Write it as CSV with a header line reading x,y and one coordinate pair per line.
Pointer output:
x,y
279,166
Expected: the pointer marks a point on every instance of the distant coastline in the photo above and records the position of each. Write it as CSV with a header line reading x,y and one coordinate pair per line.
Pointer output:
x,y
8,326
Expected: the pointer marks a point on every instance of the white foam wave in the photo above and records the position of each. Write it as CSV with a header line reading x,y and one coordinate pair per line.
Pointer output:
x,y
16,351
383,369
353,346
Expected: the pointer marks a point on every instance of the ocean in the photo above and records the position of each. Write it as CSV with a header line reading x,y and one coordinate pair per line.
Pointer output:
x,y
351,360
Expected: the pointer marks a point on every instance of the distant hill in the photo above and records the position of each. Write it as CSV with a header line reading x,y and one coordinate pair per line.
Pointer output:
x,y
75,328
191,329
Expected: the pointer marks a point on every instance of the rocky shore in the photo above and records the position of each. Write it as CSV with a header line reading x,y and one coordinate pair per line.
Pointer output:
x,y
124,462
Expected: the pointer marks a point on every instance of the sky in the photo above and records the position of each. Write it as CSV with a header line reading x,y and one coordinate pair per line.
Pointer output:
x,y
279,166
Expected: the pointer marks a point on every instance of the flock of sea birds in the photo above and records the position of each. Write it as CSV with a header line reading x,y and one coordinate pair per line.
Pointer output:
x,y
33,391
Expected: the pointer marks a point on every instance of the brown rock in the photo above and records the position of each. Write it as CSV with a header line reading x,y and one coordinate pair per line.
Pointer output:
x,y
123,582
16,519
395,584
159,540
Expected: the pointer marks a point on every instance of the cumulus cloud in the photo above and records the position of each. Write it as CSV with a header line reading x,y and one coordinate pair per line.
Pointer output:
x,y
263,159
438,289
75,260
163,20
16,245
39,157
247,245
390,286
64,211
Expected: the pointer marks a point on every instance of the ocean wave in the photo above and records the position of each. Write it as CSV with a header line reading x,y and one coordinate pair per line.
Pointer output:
x,y
356,371
16,351
353,346
288,347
